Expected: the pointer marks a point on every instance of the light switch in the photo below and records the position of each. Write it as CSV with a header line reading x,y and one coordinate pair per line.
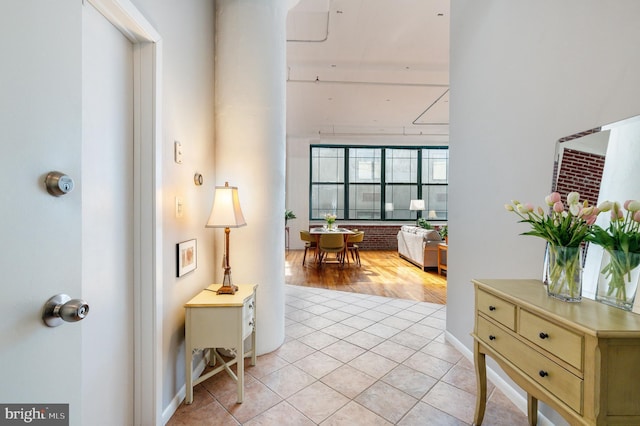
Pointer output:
x,y
177,152
179,207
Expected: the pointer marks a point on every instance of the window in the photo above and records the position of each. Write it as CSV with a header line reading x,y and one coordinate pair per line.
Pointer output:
x,y
378,183
328,187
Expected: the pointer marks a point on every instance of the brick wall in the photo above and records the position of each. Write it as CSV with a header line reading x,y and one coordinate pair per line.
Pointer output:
x,y
582,172
378,237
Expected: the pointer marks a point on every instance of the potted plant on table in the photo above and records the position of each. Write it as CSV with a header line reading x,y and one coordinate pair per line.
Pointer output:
x,y
288,214
423,223
565,230
444,233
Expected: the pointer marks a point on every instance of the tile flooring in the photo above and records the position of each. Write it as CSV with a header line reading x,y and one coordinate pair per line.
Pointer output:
x,y
352,359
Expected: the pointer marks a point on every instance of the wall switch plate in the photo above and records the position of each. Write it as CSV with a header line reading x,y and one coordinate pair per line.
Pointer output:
x,y
179,207
177,152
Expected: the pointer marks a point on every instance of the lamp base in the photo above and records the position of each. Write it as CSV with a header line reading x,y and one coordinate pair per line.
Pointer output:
x,y
227,289
227,286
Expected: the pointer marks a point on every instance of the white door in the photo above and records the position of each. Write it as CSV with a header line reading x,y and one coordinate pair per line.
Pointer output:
x,y
107,222
67,106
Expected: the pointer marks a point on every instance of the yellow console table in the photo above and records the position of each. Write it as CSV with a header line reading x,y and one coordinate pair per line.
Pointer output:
x,y
582,359
220,321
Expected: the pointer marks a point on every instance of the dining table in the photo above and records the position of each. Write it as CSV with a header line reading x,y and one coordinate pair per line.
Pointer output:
x,y
318,231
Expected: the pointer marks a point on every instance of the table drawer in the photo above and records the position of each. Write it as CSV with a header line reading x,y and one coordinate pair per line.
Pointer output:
x,y
499,309
559,341
564,385
248,315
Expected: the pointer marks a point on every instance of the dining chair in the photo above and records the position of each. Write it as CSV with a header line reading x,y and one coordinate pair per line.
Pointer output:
x,y
332,243
352,246
309,244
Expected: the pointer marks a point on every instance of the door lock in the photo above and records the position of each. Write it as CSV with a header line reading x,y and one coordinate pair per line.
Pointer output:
x,y
58,184
61,308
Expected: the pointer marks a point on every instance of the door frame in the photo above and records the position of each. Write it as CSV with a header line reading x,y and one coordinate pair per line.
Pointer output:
x,y
147,202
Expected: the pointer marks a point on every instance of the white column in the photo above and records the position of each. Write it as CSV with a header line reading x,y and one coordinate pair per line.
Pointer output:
x,y
250,95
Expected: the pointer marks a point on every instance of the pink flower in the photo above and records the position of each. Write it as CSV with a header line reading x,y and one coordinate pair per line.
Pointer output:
x,y
552,198
558,207
636,216
591,219
632,205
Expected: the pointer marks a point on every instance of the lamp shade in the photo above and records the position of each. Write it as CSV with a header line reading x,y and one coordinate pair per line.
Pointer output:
x,y
416,205
226,211
388,207
433,214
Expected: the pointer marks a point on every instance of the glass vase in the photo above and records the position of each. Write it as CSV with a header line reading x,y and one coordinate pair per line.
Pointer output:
x,y
618,279
563,274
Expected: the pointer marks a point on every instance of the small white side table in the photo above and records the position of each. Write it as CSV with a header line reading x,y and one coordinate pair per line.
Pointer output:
x,y
220,321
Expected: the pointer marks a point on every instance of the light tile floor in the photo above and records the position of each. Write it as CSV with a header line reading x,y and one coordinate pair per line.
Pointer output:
x,y
352,359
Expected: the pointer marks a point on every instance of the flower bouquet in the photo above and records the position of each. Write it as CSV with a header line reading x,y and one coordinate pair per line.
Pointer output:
x,y
331,219
564,229
619,273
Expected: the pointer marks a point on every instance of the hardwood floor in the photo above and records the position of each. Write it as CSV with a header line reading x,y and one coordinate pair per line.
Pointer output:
x,y
382,273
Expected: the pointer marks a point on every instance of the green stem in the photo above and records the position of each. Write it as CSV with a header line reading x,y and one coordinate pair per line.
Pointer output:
x,y
564,271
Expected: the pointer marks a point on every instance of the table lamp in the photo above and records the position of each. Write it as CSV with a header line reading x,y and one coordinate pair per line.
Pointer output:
x,y
417,205
226,213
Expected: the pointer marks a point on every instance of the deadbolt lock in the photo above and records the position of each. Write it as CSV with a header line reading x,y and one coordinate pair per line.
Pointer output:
x,y
58,184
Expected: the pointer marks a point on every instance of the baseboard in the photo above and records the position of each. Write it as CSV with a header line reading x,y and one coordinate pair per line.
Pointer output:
x,y
182,393
509,391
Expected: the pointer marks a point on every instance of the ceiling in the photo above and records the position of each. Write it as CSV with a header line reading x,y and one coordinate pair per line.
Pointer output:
x,y
369,68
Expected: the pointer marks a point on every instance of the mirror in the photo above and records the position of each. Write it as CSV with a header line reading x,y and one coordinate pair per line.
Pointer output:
x,y
601,164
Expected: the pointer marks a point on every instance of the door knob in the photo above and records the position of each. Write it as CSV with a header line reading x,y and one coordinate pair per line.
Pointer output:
x,y
61,308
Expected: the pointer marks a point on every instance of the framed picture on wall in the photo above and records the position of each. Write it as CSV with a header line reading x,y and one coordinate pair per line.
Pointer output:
x,y
187,257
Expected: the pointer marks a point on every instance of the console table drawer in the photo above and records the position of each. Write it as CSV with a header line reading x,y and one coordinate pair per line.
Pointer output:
x,y
248,316
558,381
559,341
497,308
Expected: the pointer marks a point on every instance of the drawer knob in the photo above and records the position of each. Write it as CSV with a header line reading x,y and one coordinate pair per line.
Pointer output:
x,y
492,337
543,373
543,335
492,308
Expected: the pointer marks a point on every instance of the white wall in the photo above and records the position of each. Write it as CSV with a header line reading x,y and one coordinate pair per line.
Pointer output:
x,y
187,31
524,74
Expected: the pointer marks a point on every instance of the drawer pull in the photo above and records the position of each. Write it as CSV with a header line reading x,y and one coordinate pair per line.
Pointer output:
x,y
492,308
251,305
543,373
543,335
251,323
492,337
